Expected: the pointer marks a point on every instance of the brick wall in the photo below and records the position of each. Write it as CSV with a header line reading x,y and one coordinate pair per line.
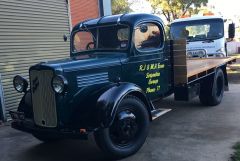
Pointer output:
x,y
83,9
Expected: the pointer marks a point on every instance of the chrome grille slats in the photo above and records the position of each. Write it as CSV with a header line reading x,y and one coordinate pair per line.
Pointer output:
x,y
91,79
43,98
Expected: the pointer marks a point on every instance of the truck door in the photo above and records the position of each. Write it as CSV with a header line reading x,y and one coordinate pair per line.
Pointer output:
x,y
147,65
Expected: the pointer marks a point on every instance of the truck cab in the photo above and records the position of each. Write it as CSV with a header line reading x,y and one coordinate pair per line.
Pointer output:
x,y
204,34
134,45
118,66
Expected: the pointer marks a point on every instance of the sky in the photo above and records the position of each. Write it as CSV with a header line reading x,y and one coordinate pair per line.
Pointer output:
x,y
141,6
228,8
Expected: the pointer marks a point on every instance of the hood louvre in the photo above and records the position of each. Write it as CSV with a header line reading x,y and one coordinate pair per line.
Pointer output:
x,y
91,79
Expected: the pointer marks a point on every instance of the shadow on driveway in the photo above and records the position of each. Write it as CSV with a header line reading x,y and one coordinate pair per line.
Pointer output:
x,y
66,150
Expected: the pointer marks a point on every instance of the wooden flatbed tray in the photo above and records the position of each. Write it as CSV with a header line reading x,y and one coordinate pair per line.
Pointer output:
x,y
197,66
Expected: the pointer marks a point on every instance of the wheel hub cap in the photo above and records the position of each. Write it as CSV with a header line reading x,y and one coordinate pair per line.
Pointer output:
x,y
124,127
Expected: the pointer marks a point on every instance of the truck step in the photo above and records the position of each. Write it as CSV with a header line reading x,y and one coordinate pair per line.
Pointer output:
x,y
159,112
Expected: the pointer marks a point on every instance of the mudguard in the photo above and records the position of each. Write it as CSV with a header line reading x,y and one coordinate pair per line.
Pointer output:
x,y
25,105
226,87
108,102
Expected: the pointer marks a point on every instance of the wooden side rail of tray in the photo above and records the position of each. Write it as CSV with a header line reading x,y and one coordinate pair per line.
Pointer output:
x,y
187,70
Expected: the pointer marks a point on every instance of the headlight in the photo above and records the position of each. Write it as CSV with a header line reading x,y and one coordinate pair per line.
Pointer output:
x,y
189,54
201,53
196,53
20,84
59,84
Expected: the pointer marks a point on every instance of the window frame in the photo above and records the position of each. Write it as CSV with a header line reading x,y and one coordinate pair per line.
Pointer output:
x,y
162,33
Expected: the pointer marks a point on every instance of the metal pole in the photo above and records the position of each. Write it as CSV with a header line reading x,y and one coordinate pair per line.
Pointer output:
x,y
69,14
105,7
2,107
100,7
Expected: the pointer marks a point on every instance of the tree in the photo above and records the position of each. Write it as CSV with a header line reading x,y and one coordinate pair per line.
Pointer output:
x,y
173,9
120,6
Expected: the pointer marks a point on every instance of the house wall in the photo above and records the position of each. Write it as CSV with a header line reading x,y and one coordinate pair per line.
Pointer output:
x,y
82,10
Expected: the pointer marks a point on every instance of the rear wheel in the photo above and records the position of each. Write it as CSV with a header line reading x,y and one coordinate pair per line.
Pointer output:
x,y
211,91
128,131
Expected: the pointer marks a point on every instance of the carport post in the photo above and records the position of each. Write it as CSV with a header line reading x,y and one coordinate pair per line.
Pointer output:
x,y
2,107
105,7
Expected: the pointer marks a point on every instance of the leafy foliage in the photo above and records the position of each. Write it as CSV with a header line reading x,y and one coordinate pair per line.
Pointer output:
x,y
236,155
173,9
120,6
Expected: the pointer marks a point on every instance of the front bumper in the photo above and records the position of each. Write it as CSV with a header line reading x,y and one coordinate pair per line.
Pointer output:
x,y
27,125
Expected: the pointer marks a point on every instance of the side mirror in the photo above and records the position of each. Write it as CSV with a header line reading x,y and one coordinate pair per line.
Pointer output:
x,y
143,28
231,30
65,37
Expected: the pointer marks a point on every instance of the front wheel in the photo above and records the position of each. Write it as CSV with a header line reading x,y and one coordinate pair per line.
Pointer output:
x,y
128,131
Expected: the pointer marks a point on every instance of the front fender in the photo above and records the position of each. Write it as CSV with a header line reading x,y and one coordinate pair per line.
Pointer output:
x,y
25,105
108,102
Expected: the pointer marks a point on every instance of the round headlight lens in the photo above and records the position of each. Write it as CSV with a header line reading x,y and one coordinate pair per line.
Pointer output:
x,y
58,84
189,54
20,84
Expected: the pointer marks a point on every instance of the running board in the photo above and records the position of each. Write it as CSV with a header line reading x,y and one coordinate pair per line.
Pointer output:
x,y
159,112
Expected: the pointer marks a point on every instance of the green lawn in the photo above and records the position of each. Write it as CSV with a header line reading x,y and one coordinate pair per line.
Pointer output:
x,y
236,155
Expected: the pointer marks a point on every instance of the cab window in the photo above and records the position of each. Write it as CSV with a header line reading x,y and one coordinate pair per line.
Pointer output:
x,y
113,37
148,36
83,40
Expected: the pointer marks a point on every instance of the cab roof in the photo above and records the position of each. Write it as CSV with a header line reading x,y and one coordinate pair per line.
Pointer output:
x,y
197,18
130,19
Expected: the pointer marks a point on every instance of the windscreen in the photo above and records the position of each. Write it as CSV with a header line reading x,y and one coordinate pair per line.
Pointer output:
x,y
198,30
115,37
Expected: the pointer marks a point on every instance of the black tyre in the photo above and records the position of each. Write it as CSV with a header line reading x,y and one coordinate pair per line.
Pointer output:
x,y
211,90
46,138
129,129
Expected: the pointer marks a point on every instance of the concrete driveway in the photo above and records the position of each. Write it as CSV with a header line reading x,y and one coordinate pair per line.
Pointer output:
x,y
190,132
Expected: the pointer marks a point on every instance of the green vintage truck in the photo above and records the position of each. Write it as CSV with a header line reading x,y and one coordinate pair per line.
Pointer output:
x,y
118,67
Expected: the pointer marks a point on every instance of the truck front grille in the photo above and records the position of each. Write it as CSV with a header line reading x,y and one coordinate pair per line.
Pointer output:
x,y
43,98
